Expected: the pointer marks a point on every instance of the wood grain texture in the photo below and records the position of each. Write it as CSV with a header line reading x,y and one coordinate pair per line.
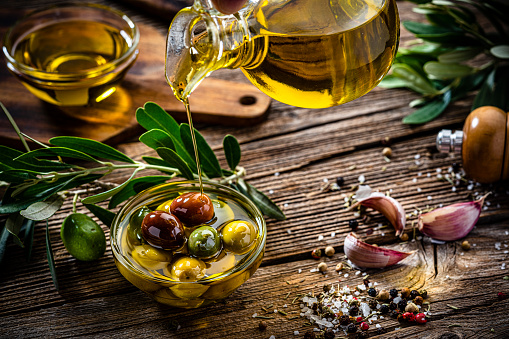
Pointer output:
x,y
288,156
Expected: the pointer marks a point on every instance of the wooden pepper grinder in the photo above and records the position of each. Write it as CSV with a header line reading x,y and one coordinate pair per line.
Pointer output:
x,y
483,144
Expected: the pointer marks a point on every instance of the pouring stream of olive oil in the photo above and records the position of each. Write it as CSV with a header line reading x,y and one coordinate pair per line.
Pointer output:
x,y
307,53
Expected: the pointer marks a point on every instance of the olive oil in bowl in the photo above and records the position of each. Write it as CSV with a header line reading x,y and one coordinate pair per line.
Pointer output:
x,y
72,55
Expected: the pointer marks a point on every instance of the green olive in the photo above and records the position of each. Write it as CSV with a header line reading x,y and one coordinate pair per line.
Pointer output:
x,y
134,227
239,236
150,257
83,238
188,269
204,242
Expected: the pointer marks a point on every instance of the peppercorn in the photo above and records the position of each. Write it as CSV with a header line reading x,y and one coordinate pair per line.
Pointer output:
x,y
344,320
369,231
329,334
381,330
393,305
383,295
262,325
393,292
411,307
414,293
340,181
372,304
402,304
351,328
409,317
423,293
316,253
329,251
394,314
353,302
326,288
455,167
372,292
501,296
353,311
322,267
309,335
365,282
364,326
404,237
384,309
353,224
420,318
405,292
400,318
418,300
339,267
314,307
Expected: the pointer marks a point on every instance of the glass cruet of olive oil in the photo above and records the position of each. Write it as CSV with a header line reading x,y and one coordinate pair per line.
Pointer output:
x,y
306,53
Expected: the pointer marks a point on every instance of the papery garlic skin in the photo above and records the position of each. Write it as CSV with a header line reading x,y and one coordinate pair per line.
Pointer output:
x,y
389,207
451,222
365,255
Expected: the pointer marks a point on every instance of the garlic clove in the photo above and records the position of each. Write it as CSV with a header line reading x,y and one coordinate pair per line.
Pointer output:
x,y
388,206
451,222
368,256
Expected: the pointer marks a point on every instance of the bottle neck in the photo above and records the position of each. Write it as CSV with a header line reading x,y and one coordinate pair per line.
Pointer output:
x,y
448,141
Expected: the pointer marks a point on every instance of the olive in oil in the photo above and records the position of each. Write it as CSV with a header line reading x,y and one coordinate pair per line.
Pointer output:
x,y
73,62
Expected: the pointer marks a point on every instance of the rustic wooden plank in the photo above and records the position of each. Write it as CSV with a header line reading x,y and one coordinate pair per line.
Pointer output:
x,y
466,280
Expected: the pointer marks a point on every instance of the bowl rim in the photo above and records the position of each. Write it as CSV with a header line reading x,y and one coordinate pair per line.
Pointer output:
x,y
99,71
132,202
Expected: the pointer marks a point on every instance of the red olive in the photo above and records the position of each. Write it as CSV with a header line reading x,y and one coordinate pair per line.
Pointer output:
x,y
163,230
192,208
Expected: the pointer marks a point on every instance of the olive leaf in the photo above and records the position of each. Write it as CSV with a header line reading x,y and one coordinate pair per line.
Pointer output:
x,y
29,238
43,209
494,90
4,236
231,149
267,206
156,138
103,214
109,193
13,224
500,51
38,166
414,80
55,151
429,111
152,116
172,158
91,147
438,70
208,159
51,260
135,186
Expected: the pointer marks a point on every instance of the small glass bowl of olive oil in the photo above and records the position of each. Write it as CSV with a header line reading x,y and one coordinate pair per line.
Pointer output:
x,y
72,55
152,269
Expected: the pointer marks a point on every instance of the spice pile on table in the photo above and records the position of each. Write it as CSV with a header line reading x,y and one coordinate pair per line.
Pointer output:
x,y
353,311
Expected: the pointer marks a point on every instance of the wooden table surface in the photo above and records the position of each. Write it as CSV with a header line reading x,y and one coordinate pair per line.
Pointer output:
x,y
289,156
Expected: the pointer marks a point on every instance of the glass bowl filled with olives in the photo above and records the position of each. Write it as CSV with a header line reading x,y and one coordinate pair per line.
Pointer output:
x,y
187,249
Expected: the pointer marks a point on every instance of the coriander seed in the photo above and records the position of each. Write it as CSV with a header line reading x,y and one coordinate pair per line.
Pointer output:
x,y
329,251
383,295
411,307
322,267
404,237
262,325
339,267
405,292
387,152
465,245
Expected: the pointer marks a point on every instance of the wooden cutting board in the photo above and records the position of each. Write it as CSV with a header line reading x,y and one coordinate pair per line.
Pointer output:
x,y
113,119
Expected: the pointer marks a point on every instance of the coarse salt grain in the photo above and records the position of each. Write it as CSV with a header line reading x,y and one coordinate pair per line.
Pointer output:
x,y
300,270
430,197
346,275
417,156
362,178
296,333
439,170
289,231
271,191
502,267
497,245
276,174
285,205
414,180
320,237
453,188
254,315
378,325
272,337
313,270
419,174
419,189
325,180
333,234
439,176
357,272
428,175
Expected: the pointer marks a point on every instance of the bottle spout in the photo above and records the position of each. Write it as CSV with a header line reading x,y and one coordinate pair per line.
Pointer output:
x,y
191,51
